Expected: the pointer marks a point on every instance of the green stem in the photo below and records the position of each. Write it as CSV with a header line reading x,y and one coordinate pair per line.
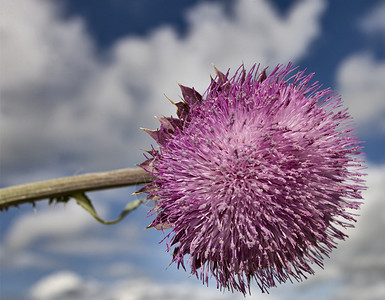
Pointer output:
x,y
31,192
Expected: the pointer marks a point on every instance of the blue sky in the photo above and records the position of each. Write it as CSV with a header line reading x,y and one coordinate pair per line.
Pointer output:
x,y
78,79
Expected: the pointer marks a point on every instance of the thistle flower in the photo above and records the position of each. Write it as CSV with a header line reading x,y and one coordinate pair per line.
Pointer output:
x,y
256,178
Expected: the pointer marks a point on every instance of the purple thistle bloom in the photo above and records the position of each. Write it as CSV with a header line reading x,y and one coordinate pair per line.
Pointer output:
x,y
256,178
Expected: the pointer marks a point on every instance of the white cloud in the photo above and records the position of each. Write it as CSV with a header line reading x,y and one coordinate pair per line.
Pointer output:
x,y
64,285
37,47
360,78
68,230
372,213
34,240
361,291
81,111
360,81
52,222
253,33
374,21
121,270
45,61
46,225
26,259
60,285
96,244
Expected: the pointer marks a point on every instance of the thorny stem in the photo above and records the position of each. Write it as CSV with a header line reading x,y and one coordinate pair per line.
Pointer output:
x,y
49,189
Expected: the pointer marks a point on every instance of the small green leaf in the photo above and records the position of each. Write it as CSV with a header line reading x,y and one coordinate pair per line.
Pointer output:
x,y
85,202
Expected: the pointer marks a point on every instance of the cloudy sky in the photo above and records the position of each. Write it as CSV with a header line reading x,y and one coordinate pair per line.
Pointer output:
x,y
78,79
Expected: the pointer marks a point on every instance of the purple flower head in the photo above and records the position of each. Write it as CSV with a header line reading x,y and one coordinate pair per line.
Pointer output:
x,y
256,178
